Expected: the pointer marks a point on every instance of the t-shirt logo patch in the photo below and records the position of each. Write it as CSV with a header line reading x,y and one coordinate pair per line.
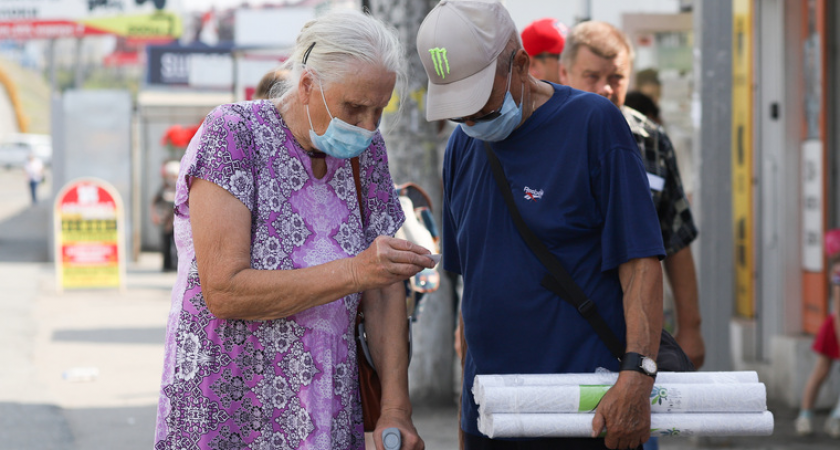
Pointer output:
x,y
533,194
440,61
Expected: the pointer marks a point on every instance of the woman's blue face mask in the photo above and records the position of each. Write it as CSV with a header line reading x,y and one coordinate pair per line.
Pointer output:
x,y
341,140
502,126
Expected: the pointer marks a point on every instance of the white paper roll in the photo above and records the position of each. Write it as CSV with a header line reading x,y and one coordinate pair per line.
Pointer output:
x,y
609,378
665,398
665,425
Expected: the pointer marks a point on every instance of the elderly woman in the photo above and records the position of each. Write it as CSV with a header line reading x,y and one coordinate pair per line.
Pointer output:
x,y
275,250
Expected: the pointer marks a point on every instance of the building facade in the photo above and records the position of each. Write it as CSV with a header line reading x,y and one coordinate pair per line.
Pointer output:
x,y
767,183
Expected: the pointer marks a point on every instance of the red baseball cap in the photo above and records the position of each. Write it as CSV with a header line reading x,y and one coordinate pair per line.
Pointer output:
x,y
544,36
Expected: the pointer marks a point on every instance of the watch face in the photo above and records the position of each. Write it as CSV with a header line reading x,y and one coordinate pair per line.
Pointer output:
x,y
649,365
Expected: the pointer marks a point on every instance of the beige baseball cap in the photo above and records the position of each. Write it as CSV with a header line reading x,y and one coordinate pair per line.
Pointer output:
x,y
459,42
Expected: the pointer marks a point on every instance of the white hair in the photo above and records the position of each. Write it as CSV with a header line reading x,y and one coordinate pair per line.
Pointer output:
x,y
335,43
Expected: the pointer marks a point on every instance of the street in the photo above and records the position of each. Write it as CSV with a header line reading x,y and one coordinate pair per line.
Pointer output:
x,y
81,370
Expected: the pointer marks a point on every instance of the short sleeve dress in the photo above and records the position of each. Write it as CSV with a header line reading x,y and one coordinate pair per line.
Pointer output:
x,y
288,383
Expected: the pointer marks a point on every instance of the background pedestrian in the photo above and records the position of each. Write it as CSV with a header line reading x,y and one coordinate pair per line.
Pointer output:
x,y
34,170
827,347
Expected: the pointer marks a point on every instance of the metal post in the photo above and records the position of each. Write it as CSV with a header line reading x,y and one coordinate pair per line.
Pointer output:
x,y
53,82
713,69
585,11
79,65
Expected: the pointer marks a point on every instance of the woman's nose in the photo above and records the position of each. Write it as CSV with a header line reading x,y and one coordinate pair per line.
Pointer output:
x,y
370,122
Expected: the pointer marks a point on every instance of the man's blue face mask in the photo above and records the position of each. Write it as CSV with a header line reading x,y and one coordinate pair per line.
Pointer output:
x,y
501,127
341,140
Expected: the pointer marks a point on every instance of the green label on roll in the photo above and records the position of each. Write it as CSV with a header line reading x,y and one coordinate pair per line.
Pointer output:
x,y
590,396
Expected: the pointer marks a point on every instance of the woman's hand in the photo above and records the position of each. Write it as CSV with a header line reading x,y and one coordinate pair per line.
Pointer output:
x,y
387,261
401,420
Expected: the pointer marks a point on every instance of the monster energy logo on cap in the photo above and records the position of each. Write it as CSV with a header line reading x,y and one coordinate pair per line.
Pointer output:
x,y
440,61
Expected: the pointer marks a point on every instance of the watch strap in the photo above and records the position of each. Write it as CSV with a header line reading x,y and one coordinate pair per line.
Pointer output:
x,y
633,361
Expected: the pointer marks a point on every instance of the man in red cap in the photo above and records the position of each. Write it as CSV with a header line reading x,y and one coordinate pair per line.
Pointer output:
x,y
543,40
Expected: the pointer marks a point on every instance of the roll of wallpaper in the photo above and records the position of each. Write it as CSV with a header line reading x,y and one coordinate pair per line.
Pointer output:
x,y
665,398
609,378
503,425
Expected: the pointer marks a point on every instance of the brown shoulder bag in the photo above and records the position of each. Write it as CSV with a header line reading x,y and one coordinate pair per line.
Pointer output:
x,y
370,389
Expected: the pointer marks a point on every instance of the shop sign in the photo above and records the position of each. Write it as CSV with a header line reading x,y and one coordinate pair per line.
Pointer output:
x,y
156,27
55,19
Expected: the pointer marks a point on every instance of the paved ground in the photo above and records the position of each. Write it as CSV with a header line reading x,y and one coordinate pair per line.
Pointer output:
x,y
49,340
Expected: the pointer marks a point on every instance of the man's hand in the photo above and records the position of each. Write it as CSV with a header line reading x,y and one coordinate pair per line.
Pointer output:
x,y
683,280
625,412
400,419
692,344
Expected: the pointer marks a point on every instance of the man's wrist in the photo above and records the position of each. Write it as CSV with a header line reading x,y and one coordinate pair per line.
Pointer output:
x,y
636,362
689,325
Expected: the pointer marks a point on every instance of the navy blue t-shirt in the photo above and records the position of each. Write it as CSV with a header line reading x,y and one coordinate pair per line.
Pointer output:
x,y
578,181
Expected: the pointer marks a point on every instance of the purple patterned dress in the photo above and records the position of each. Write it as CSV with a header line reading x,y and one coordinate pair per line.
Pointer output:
x,y
287,383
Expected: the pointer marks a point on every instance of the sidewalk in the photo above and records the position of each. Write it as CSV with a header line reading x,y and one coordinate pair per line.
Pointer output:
x,y
46,335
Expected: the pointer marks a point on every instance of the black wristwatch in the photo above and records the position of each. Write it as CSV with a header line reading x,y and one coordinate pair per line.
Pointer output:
x,y
639,363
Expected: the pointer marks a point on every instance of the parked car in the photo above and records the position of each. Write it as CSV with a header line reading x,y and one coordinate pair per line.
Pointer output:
x,y
15,149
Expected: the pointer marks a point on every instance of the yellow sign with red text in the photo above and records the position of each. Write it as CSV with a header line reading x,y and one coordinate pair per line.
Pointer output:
x,y
89,250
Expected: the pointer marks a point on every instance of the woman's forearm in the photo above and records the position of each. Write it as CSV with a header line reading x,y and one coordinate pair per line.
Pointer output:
x,y
386,326
232,289
251,294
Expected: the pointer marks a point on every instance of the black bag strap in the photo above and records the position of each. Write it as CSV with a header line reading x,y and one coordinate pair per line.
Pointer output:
x,y
354,165
557,280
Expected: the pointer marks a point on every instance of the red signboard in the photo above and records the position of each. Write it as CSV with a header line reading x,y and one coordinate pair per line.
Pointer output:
x,y
45,29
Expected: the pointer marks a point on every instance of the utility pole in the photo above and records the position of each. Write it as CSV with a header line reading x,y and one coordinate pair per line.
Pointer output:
x,y
78,78
414,152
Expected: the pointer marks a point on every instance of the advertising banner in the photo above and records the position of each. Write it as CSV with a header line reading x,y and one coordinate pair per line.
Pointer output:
x,y
172,65
88,231
53,19
74,9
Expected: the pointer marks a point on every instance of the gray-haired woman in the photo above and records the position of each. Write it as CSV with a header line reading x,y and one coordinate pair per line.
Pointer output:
x,y
274,250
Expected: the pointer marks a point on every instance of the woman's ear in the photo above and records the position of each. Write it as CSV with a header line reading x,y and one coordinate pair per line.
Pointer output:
x,y
306,85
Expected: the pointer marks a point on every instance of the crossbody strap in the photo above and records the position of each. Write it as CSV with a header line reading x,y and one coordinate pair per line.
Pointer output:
x,y
354,164
557,280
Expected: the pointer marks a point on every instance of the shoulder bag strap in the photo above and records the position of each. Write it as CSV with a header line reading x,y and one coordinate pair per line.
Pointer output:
x,y
557,280
354,163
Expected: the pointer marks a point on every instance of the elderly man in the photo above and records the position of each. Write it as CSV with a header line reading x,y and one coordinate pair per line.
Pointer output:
x,y
599,59
575,173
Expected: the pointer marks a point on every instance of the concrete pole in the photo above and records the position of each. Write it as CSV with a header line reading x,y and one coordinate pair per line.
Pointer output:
x,y
413,152
78,78
51,62
713,106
